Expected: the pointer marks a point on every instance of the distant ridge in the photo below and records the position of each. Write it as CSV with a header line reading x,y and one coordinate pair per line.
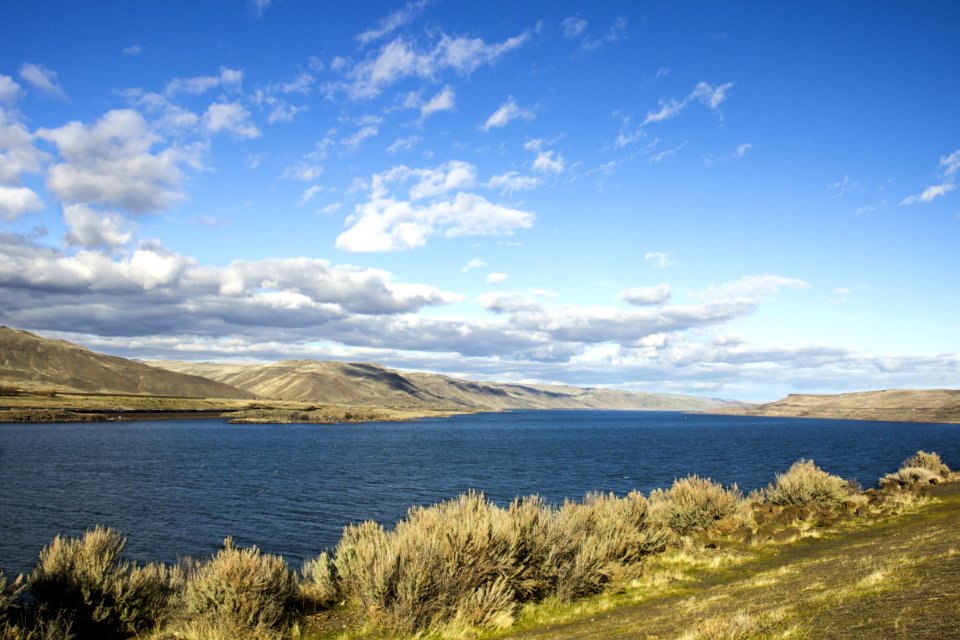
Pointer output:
x,y
895,405
31,362
360,383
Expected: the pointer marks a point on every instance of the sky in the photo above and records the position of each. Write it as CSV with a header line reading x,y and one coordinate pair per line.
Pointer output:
x,y
734,200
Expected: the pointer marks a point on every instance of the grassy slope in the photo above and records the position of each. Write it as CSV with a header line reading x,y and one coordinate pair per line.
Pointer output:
x,y
931,405
896,577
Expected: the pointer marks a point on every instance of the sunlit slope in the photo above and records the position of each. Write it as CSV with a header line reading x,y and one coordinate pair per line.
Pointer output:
x,y
30,362
930,405
353,383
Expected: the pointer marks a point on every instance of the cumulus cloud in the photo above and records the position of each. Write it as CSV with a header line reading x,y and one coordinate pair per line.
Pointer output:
x,y
304,172
18,154
400,59
231,117
949,166
310,193
364,132
229,79
110,163
386,224
507,112
90,228
164,114
660,259
10,91
496,278
132,50
16,201
39,77
750,289
642,296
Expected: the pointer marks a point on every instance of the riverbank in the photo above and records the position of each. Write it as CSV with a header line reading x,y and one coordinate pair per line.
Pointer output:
x,y
47,406
808,556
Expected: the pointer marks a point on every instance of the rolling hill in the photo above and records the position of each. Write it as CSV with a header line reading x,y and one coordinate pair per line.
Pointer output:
x,y
30,362
898,405
356,383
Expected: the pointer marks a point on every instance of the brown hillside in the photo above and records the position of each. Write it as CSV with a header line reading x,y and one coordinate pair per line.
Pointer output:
x,y
899,405
353,383
28,361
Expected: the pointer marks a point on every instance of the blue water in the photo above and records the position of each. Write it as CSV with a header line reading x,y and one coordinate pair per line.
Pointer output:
x,y
178,488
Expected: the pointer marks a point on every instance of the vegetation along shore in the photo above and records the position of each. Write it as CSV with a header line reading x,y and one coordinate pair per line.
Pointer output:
x,y
811,555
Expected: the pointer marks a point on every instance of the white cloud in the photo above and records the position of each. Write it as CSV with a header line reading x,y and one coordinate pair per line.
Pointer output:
x,y
704,93
948,170
750,289
549,162
39,77
16,201
404,143
259,6
386,224
443,101
90,228
310,193
360,135
949,165
615,33
642,296
304,172
9,90
930,194
400,59
507,112
392,22
660,259
573,26
110,163
513,181
17,152
742,150
231,117
662,155
283,112
496,278
331,208
628,135
229,79
132,50
474,263
165,115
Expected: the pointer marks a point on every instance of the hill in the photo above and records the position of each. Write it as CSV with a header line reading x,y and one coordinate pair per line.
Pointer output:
x,y
30,362
355,383
901,405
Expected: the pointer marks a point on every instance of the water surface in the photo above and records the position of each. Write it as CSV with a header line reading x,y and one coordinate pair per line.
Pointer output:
x,y
179,487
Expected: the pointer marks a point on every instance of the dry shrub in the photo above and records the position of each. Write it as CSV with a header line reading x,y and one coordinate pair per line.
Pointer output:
x,y
807,485
318,582
84,583
930,461
452,560
590,541
910,477
698,504
242,588
468,562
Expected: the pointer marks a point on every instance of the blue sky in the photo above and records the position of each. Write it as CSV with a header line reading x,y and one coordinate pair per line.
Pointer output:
x,y
739,201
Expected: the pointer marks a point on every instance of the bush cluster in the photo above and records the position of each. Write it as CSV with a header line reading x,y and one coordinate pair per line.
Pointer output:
x,y
463,563
920,469
698,504
806,485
